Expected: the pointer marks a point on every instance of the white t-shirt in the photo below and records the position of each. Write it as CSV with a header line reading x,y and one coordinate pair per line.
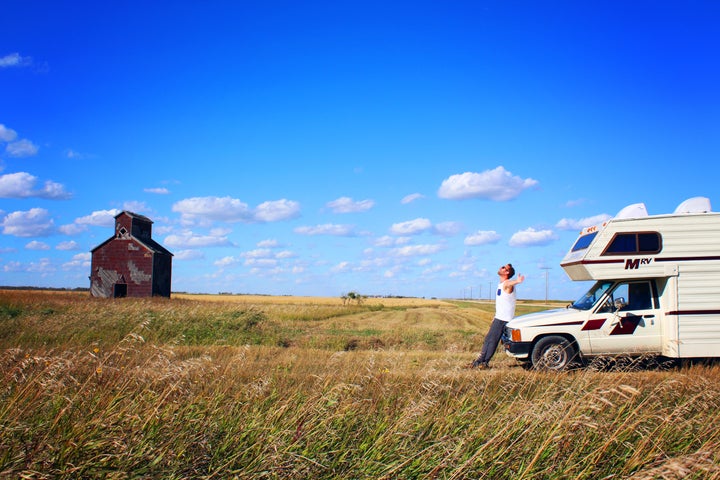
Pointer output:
x,y
504,304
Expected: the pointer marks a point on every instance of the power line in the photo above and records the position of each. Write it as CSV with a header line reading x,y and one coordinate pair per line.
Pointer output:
x,y
546,281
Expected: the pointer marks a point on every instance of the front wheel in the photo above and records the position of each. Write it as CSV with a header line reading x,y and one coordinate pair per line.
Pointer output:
x,y
553,353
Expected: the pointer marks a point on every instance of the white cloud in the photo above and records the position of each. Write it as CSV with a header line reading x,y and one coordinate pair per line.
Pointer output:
x,y
411,198
12,267
277,210
411,227
448,229
482,238
188,239
7,134
327,229
392,272
157,191
73,154
348,205
71,245
269,243
135,206
17,185
188,255
434,269
15,60
36,245
388,241
223,209
35,222
99,218
226,261
341,267
21,148
260,262
22,185
81,260
43,266
497,184
575,203
415,250
202,210
72,229
531,238
54,190
572,224
257,253
16,148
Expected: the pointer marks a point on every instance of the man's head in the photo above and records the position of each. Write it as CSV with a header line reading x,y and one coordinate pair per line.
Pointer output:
x,y
506,271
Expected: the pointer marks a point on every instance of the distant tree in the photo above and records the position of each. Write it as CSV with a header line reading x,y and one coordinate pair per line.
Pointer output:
x,y
352,297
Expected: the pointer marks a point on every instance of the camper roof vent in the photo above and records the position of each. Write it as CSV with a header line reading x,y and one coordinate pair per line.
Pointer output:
x,y
694,205
635,210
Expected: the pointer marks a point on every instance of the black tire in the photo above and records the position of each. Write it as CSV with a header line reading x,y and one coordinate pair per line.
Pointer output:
x,y
553,353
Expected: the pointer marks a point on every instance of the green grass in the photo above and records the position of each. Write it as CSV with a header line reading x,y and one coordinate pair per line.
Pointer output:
x,y
188,389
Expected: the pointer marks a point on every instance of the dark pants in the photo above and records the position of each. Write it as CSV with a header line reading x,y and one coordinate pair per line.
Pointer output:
x,y
491,342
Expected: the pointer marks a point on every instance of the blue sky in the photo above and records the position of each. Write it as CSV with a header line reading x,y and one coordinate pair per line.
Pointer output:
x,y
313,148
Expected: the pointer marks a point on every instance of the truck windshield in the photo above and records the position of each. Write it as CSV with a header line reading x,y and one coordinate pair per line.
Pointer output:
x,y
587,301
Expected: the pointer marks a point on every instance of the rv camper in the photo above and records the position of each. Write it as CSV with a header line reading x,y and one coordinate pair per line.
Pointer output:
x,y
656,292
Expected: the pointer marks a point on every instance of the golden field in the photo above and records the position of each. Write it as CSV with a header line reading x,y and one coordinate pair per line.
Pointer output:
x,y
286,387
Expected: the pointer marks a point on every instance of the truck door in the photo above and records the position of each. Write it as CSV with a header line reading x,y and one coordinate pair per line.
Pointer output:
x,y
627,320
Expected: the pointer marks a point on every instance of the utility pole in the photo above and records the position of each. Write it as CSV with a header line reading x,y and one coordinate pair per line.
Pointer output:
x,y
546,282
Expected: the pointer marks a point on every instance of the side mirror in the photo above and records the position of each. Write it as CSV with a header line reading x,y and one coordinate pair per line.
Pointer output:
x,y
620,303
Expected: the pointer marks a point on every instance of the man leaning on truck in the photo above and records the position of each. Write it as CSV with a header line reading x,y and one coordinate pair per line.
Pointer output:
x,y
504,312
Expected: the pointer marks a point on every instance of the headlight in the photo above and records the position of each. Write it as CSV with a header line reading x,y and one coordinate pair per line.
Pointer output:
x,y
515,335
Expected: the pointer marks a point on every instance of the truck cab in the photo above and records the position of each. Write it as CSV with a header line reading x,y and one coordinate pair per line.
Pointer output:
x,y
656,291
611,318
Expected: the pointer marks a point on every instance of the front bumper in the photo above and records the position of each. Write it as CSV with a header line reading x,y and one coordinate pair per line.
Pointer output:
x,y
517,349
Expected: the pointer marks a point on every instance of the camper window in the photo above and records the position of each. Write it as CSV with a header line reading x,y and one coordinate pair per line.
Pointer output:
x,y
583,242
633,243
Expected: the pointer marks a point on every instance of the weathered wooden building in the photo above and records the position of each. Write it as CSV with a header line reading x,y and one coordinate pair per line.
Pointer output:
x,y
131,263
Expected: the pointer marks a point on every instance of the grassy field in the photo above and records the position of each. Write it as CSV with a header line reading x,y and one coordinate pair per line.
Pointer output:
x,y
287,387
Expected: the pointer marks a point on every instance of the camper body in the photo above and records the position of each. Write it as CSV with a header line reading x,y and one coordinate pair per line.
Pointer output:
x,y
656,291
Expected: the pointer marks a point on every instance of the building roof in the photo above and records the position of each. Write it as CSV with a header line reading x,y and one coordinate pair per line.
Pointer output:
x,y
134,215
148,243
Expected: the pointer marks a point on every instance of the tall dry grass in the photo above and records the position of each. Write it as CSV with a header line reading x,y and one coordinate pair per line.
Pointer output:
x,y
146,405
